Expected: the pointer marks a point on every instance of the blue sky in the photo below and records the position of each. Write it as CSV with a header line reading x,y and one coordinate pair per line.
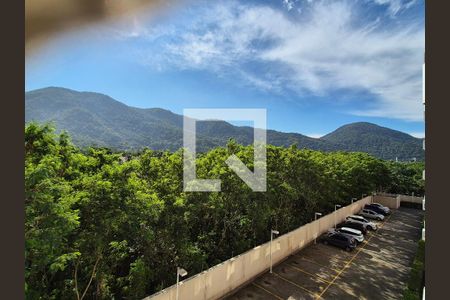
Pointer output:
x,y
314,65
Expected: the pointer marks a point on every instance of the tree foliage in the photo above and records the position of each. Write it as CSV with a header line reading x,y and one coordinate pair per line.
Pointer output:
x,y
103,225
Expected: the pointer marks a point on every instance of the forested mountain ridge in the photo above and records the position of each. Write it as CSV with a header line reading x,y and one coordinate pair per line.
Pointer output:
x,y
95,119
371,138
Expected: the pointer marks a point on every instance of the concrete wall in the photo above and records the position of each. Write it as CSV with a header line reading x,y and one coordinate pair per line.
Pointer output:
x,y
386,194
237,271
410,199
389,201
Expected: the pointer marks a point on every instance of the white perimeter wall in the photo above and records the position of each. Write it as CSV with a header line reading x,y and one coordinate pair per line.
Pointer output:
x,y
223,278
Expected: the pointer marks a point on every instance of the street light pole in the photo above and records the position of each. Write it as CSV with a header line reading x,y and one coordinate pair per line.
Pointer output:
x,y
317,214
353,199
272,232
335,208
180,272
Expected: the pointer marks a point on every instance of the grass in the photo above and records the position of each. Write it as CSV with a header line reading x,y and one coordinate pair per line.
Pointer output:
x,y
416,277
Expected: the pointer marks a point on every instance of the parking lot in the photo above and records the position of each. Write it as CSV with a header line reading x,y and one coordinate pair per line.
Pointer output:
x,y
377,269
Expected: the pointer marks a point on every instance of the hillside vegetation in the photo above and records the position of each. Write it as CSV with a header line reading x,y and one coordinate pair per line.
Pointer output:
x,y
99,226
94,119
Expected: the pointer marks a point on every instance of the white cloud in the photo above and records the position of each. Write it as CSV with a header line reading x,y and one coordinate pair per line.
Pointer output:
x,y
396,6
419,134
315,135
330,47
289,4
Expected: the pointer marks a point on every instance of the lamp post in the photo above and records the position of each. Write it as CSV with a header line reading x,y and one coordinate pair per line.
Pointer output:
x,y
272,232
180,272
335,208
353,199
315,218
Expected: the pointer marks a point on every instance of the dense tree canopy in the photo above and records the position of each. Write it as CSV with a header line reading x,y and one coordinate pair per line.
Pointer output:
x,y
101,224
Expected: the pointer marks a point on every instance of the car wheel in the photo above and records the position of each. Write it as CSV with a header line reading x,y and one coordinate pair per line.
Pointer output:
x,y
379,219
347,249
325,242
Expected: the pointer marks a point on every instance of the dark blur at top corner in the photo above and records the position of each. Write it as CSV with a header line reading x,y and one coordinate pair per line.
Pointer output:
x,y
45,19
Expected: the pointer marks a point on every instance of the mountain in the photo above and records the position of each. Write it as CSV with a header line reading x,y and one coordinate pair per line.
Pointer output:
x,y
381,141
94,119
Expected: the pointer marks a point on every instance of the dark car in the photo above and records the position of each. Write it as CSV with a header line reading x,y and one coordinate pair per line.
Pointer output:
x,y
376,209
385,208
339,240
355,225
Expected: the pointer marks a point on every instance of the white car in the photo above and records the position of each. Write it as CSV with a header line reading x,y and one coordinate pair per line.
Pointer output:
x,y
356,234
362,220
371,214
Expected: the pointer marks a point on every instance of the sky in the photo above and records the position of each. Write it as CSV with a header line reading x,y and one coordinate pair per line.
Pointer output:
x,y
314,65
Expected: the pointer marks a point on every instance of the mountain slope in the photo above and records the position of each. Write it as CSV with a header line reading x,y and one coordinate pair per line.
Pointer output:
x,y
99,120
375,139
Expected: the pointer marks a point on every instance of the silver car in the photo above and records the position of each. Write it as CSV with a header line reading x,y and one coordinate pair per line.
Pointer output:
x,y
371,214
362,220
356,234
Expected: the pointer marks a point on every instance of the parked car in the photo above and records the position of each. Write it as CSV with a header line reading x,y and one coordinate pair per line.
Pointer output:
x,y
361,219
369,213
351,232
385,208
376,209
355,225
339,240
